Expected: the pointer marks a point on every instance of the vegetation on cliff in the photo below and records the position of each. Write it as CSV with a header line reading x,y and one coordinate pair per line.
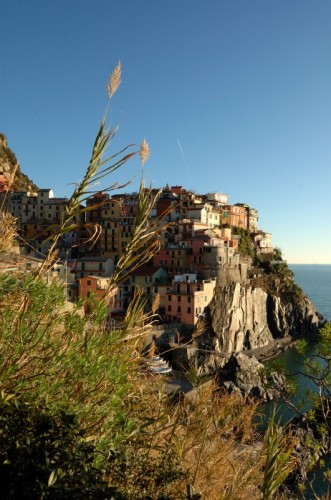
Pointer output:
x,y
246,247
9,165
273,275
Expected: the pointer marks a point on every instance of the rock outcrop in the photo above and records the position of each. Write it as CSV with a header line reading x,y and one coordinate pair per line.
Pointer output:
x,y
296,317
11,171
245,317
258,317
246,375
239,318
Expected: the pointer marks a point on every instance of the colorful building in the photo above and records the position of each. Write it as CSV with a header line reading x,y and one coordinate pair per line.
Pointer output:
x,y
187,300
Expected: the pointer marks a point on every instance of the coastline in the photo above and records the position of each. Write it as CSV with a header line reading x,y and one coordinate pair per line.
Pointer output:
x,y
271,350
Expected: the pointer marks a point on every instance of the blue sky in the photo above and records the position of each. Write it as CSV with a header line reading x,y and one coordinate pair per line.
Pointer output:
x,y
244,87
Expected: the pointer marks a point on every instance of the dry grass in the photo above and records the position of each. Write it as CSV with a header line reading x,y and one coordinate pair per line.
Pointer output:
x,y
114,80
144,152
8,232
208,438
218,446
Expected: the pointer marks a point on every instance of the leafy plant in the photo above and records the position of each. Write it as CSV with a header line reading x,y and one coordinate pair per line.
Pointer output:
x,y
45,455
278,448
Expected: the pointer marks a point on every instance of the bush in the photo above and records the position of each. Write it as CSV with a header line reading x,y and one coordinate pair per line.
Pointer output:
x,y
45,456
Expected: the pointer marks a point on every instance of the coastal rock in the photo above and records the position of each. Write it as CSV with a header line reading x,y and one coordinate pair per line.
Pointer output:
x,y
244,317
292,317
239,318
247,376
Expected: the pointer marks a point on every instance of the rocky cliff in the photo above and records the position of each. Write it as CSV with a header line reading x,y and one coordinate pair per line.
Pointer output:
x,y
245,317
10,169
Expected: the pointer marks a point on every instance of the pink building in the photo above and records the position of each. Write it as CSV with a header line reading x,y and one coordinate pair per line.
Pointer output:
x,y
186,301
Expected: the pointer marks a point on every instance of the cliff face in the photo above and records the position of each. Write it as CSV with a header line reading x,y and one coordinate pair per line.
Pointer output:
x,y
11,170
245,317
239,318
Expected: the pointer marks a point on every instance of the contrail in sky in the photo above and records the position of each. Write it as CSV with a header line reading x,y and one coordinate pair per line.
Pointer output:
x,y
184,159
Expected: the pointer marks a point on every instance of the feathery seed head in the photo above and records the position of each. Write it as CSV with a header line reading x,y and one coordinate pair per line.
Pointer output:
x,y
144,152
114,80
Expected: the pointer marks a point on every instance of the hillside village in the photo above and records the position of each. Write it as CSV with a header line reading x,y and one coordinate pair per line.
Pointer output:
x,y
197,327
205,239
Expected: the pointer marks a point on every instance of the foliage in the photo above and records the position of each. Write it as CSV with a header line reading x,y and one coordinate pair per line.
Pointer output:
x,y
278,447
246,247
45,456
72,365
311,425
317,367
8,231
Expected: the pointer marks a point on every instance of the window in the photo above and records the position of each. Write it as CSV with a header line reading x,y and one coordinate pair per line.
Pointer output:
x,y
88,282
179,298
179,309
100,266
169,297
169,308
189,299
189,310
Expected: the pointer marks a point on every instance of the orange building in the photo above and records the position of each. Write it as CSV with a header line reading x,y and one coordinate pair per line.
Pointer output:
x,y
99,286
238,216
186,301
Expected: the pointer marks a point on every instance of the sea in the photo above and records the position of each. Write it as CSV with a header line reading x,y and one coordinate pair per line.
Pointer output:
x,y
315,281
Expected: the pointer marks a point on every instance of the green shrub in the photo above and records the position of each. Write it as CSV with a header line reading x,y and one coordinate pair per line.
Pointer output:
x,y
44,455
